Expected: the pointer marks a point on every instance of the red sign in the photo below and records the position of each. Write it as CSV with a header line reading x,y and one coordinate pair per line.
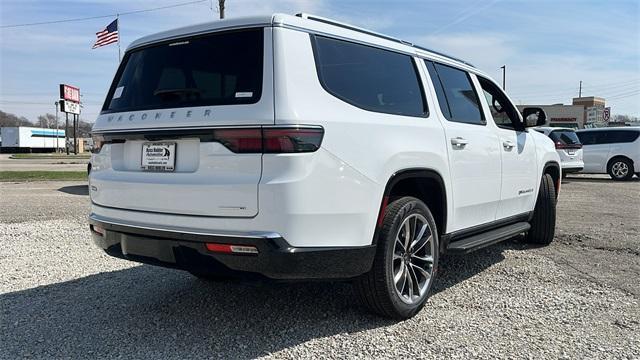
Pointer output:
x,y
70,93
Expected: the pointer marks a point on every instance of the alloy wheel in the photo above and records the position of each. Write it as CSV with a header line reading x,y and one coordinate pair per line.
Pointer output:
x,y
620,169
413,252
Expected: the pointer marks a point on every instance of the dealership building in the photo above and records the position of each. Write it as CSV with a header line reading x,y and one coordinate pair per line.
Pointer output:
x,y
583,112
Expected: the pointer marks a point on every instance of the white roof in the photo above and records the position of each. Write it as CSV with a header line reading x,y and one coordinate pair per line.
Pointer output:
x,y
307,23
553,128
612,128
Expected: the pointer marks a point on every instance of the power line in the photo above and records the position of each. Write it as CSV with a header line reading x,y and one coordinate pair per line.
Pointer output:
x,y
102,16
612,85
18,102
626,95
620,91
603,85
599,88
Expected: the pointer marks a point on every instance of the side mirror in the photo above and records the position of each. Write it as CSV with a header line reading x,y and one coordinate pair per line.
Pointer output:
x,y
534,117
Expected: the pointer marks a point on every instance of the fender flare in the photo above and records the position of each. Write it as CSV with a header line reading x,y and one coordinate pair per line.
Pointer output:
x,y
404,174
553,164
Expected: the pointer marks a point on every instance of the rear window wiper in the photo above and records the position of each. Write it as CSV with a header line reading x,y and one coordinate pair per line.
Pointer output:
x,y
161,92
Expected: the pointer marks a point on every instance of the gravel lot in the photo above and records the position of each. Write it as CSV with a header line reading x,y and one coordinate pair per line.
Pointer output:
x,y
578,298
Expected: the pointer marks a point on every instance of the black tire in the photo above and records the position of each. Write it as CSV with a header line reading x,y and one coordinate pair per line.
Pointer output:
x,y
543,223
617,166
376,289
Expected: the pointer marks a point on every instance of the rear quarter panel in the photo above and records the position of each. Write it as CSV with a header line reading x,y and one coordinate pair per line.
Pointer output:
x,y
373,145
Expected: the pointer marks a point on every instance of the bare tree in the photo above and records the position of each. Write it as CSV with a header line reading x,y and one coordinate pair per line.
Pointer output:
x,y
7,119
621,118
46,121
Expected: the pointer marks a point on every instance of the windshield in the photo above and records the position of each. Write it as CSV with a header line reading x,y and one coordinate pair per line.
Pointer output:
x,y
566,137
218,69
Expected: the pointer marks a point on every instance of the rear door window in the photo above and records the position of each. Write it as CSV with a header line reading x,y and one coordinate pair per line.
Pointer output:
x,y
624,136
368,77
587,137
456,95
215,69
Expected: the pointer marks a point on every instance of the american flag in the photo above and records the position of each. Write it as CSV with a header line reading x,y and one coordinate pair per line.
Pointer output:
x,y
107,36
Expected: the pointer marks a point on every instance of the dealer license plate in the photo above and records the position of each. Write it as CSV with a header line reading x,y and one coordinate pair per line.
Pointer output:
x,y
159,156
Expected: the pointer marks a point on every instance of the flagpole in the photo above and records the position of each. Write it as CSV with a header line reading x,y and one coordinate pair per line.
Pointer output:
x,y
118,27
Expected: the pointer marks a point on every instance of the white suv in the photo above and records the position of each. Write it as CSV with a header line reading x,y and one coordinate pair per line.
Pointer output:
x,y
568,147
296,147
613,151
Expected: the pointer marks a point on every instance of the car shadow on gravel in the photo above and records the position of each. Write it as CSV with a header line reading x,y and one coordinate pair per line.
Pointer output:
x,y
454,269
147,311
75,190
569,180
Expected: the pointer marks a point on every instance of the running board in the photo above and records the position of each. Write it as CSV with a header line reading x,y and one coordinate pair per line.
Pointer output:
x,y
475,242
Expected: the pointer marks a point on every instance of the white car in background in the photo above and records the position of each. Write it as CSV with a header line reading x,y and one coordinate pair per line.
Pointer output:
x,y
568,146
614,151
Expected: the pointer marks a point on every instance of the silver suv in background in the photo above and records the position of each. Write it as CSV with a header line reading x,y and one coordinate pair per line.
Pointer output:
x,y
568,146
614,151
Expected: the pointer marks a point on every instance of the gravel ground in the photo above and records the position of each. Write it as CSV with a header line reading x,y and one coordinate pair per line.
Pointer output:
x,y
578,298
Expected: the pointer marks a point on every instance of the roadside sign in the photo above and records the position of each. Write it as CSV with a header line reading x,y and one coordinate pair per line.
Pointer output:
x,y
69,107
70,93
606,114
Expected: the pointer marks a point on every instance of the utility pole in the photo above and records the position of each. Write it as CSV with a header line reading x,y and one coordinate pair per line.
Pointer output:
x,y
66,131
57,129
580,91
504,74
221,8
75,134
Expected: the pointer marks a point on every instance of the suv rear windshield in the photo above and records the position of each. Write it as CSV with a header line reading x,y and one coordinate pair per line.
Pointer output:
x,y
216,69
566,137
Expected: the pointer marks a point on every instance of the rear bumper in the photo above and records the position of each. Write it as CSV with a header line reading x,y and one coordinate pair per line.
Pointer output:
x,y
572,169
184,249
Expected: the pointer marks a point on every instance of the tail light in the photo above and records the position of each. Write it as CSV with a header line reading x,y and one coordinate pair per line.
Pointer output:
x,y
291,140
240,140
560,145
98,141
271,140
232,249
99,230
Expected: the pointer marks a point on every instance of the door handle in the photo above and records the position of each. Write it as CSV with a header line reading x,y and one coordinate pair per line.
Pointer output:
x,y
508,145
459,142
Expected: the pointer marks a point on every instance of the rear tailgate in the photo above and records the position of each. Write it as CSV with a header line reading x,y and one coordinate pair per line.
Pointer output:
x,y
175,98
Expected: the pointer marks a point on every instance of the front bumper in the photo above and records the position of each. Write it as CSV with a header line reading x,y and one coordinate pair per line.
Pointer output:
x,y
185,249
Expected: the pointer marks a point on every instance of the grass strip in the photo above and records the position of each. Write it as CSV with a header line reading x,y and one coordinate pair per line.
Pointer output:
x,y
6,176
49,156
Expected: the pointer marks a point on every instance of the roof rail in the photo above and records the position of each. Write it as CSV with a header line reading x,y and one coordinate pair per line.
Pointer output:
x,y
443,55
376,34
350,27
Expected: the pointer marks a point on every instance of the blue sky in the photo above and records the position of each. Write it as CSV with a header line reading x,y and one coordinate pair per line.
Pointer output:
x,y
548,46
